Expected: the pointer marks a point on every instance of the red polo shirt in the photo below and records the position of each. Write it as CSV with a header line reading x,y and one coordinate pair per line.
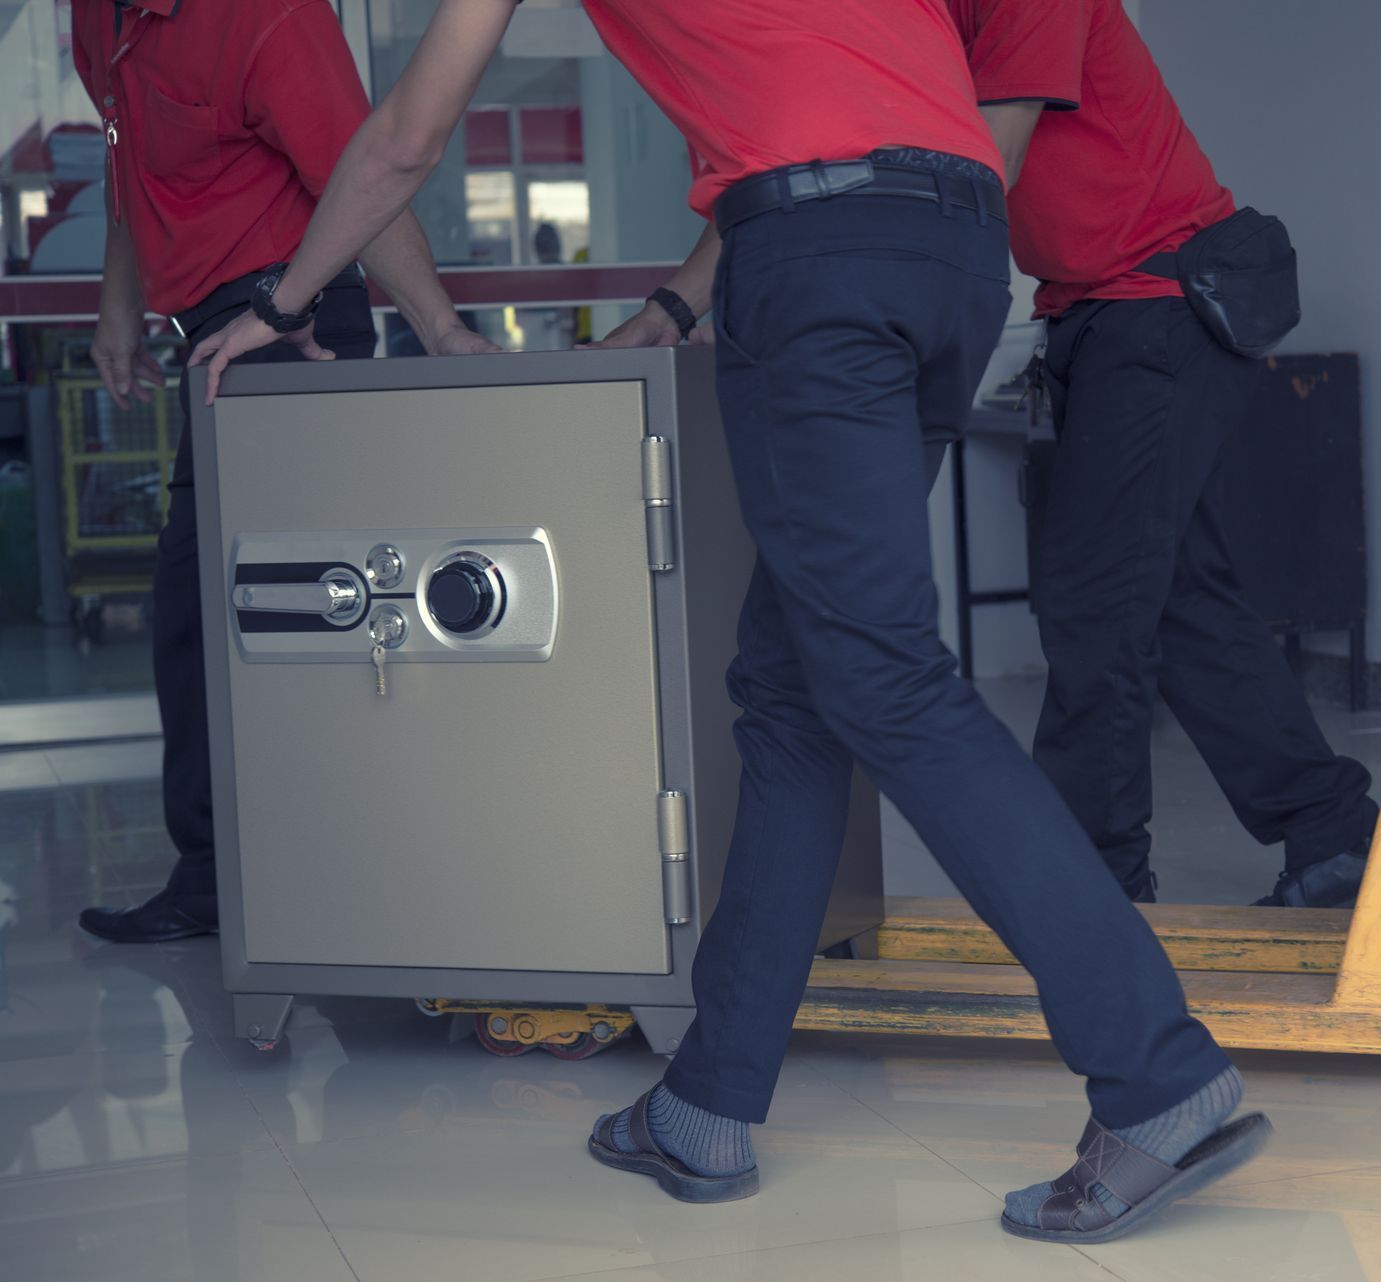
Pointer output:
x,y
1113,174
754,84
225,119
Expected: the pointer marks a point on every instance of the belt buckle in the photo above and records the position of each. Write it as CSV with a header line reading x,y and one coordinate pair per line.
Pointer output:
x,y
839,176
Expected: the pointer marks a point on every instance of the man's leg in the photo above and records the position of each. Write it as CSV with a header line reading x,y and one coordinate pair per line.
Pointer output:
x,y
1227,682
820,403
792,815
821,372
187,905
180,681
1131,464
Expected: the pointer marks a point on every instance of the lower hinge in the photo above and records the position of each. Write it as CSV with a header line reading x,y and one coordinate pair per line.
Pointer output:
x,y
673,840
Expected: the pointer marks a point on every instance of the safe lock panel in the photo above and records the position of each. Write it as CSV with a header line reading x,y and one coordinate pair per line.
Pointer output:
x,y
467,621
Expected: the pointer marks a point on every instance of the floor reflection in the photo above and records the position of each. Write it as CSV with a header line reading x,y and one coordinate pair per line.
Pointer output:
x,y
141,1141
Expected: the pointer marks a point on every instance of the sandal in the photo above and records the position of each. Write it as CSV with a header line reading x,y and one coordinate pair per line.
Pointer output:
x,y
1072,1214
674,1177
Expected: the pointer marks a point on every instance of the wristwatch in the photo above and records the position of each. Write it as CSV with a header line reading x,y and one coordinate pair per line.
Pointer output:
x,y
262,303
676,307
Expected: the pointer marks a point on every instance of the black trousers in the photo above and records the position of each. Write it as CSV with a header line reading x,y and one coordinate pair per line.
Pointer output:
x,y
1138,595
851,334
344,326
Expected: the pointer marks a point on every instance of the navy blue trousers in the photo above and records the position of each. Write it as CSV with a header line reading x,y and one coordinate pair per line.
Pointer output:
x,y
1138,596
346,327
851,334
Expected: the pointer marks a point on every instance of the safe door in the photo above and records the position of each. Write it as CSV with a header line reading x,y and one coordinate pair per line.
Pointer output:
x,y
442,677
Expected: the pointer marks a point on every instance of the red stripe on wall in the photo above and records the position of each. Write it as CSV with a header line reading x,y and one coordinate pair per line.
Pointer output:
x,y
78,298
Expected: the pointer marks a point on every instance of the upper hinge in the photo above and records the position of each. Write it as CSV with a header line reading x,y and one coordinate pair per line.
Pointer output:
x,y
657,495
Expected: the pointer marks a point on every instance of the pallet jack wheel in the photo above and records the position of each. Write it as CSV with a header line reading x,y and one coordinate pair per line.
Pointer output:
x,y
601,1037
495,1044
585,1045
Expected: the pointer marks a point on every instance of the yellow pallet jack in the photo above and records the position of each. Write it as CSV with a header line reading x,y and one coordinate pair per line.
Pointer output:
x,y
1295,979
1260,978
567,1032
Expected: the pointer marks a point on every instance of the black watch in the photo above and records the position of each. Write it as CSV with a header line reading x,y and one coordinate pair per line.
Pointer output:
x,y
676,307
262,303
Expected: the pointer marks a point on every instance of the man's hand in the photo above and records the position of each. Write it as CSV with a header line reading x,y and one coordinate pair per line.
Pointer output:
x,y
124,363
247,333
118,350
461,341
651,327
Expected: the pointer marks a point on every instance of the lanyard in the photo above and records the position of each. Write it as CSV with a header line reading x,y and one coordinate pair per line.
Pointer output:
x,y
109,107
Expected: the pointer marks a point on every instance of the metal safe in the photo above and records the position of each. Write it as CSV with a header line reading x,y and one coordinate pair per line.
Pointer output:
x,y
467,622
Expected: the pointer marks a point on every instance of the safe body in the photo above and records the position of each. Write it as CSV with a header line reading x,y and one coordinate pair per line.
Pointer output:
x,y
546,553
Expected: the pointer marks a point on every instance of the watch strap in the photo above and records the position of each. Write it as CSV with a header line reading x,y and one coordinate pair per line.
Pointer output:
x,y
261,301
676,307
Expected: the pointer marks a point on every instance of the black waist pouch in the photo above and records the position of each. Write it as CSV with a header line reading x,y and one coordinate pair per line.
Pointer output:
x,y
1239,277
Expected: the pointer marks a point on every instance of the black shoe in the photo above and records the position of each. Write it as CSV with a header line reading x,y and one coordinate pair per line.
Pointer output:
x,y
1145,893
1330,883
154,922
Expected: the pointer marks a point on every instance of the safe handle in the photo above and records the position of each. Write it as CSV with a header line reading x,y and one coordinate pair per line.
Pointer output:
x,y
331,598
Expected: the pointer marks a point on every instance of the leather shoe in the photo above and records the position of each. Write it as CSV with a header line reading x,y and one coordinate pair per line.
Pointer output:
x,y
1330,883
154,922
1145,893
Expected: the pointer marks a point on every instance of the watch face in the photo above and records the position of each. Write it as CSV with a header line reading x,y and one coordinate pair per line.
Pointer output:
x,y
262,303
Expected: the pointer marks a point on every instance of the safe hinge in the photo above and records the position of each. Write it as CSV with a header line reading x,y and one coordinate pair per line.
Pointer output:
x,y
657,495
673,840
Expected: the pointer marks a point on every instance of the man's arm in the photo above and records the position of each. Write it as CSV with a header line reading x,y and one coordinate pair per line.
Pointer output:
x,y
400,260
117,349
1012,124
693,280
382,167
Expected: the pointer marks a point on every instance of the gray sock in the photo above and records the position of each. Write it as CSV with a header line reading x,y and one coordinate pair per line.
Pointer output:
x,y
1167,1136
706,1142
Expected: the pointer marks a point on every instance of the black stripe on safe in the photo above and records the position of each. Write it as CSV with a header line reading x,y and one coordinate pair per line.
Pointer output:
x,y
259,621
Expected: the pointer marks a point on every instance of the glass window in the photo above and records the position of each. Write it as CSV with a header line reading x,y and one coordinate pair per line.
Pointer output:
x,y
81,482
492,217
564,206
591,167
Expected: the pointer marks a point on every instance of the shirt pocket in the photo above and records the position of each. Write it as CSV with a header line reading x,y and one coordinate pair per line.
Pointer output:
x,y
181,141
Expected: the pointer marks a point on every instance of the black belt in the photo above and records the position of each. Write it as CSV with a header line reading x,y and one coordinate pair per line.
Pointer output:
x,y
236,293
824,179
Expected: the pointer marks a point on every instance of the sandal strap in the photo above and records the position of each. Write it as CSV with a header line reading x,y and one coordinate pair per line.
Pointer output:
x,y
1126,1172
1106,1159
604,1132
639,1129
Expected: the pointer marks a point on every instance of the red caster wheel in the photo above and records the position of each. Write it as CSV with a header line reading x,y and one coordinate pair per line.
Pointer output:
x,y
601,1038
492,1038
582,1048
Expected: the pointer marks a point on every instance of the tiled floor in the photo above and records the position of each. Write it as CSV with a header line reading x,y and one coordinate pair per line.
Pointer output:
x,y
140,1141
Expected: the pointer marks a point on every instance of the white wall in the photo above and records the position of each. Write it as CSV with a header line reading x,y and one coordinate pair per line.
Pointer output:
x,y
1282,95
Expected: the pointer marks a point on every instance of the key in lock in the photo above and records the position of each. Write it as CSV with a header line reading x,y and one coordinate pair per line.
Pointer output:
x,y
388,629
